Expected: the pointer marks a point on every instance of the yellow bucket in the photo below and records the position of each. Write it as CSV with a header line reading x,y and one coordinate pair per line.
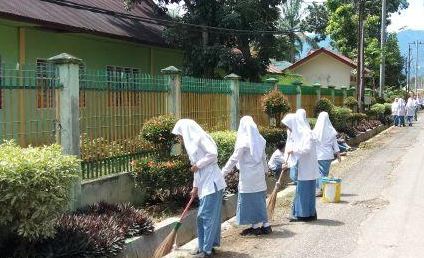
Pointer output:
x,y
331,189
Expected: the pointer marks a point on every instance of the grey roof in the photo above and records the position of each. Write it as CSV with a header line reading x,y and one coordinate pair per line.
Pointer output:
x,y
63,15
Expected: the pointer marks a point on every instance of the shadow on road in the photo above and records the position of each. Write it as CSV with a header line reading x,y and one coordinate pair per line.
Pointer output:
x,y
327,222
279,234
348,195
232,254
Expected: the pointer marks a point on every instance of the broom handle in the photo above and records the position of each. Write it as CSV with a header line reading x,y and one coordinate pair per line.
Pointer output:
x,y
184,214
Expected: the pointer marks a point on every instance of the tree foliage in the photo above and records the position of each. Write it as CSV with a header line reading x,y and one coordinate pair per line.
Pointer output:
x,y
342,28
215,53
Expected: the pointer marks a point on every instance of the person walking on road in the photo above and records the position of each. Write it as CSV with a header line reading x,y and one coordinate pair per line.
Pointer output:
x,y
395,107
401,112
410,108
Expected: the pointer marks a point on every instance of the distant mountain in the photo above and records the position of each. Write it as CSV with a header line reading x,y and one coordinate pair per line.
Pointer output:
x,y
409,36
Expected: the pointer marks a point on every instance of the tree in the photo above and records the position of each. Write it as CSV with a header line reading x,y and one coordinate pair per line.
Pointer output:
x,y
316,21
342,29
213,52
395,62
291,21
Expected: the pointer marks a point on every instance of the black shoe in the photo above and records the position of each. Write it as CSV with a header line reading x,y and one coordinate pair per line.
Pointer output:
x,y
266,230
257,231
197,251
202,255
247,231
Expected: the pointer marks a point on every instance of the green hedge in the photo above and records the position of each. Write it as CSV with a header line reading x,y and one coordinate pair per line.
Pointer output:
x,y
35,188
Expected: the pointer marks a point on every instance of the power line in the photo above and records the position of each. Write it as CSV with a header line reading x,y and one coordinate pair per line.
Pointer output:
x,y
167,22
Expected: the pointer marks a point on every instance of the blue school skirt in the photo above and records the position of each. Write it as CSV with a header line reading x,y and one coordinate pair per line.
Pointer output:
x,y
251,208
324,170
304,200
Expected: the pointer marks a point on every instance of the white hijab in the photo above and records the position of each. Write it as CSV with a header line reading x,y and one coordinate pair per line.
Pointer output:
x,y
193,135
298,129
301,115
248,136
410,104
324,130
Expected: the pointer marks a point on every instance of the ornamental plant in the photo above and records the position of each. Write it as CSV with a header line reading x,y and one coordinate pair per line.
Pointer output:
x,y
351,103
158,131
35,188
225,141
275,105
323,105
340,117
164,180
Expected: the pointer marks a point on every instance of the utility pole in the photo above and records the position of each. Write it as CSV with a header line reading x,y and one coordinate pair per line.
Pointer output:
x,y
383,50
408,68
416,67
360,66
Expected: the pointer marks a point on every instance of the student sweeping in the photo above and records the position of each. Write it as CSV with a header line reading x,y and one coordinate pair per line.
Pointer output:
x,y
249,157
304,149
208,183
275,163
326,147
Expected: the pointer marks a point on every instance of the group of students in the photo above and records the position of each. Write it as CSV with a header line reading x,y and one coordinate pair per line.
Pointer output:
x,y
308,153
409,109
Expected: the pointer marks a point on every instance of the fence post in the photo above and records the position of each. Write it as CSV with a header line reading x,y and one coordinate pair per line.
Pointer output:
x,y
333,95
69,129
344,91
317,87
174,91
234,100
298,85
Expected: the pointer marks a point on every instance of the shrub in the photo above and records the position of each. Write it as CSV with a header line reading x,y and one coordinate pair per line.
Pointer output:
x,y
34,188
351,103
387,109
349,131
275,105
273,135
340,117
323,105
312,122
225,140
232,180
158,131
101,148
164,180
355,118
378,111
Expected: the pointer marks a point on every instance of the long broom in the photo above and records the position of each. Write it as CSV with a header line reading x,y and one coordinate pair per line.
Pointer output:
x,y
166,246
270,206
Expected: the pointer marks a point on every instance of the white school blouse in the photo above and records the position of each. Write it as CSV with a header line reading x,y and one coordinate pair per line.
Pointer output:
x,y
326,151
208,174
275,160
306,155
252,174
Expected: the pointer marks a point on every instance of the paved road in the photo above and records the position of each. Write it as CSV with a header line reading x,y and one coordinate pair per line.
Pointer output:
x,y
381,214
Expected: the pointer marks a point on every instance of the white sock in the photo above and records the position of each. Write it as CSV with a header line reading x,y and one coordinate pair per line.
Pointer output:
x,y
258,225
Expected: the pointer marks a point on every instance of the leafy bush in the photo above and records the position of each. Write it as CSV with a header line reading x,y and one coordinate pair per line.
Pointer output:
x,y
164,180
275,105
225,140
340,117
312,122
323,105
387,109
350,131
355,118
351,103
232,180
273,135
378,110
34,188
98,230
100,148
158,131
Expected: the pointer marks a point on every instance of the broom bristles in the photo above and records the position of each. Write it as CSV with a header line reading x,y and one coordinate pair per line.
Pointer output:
x,y
271,203
166,246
